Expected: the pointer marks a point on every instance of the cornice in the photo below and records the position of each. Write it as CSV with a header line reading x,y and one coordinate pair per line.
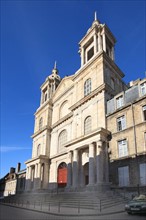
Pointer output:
x,y
58,155
49,102
109,61
90,30
62,94
62,120
126,106
41,157
102,131
86,65
88,97
40,131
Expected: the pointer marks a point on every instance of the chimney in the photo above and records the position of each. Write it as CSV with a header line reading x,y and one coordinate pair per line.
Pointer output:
x,y
18,167
12,170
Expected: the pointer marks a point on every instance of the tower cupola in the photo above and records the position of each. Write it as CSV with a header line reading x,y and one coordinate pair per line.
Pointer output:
x,y
50,85
98,38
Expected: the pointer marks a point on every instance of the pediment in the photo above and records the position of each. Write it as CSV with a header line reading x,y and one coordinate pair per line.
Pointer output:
x,y
64,85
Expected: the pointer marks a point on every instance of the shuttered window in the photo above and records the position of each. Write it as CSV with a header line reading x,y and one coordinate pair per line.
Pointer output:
x,y
122,148
123,175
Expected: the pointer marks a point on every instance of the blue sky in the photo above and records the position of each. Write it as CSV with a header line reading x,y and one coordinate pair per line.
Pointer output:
x,y
36,33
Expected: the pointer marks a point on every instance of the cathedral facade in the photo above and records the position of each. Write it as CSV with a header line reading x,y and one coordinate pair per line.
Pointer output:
x,y
71,140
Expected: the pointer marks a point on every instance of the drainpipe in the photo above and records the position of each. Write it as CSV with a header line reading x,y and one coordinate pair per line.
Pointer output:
x,y
135,145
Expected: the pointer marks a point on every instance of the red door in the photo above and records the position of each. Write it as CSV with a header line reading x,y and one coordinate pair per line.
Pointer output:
x,y
62,177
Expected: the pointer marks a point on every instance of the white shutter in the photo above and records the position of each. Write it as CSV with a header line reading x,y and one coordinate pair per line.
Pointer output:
x,y
123,120
122,147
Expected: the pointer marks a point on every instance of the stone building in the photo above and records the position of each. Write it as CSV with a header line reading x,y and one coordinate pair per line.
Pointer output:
x,y
10,183
71,137
13,182
126,119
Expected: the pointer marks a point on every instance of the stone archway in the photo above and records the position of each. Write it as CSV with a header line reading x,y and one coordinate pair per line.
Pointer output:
x,y
86,173
62,175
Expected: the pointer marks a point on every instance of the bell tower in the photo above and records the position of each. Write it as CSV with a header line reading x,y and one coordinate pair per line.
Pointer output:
x,y
98,38
37,174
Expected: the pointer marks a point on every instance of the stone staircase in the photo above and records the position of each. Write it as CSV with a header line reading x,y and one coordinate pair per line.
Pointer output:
x,y
84,200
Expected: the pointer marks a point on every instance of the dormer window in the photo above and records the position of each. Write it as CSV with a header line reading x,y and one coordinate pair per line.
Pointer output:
x,y
120,101
143,88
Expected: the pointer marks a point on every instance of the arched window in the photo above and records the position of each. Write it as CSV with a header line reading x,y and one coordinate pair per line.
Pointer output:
x,y
63,109
62,139
38,150
40,123
87,125
87,87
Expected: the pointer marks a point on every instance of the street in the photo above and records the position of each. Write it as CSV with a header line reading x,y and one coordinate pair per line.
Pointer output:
x,y
12,213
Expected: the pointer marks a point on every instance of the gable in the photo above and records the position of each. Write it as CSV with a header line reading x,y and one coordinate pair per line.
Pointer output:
x,y
63,87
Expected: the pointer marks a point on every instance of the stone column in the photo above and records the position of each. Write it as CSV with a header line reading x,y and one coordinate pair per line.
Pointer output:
x,y
39,176
99,42
39,170
91,165
81,170
106,163
95,44
27,173
36,169
82,56
69,170
75,168
98,162
27,184
104,42
35,176
42,98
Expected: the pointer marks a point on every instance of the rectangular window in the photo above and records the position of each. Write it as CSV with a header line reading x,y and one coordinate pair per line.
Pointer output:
x,y
144,112
121,123
143,173
143,88
123,175
119,101
122,148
